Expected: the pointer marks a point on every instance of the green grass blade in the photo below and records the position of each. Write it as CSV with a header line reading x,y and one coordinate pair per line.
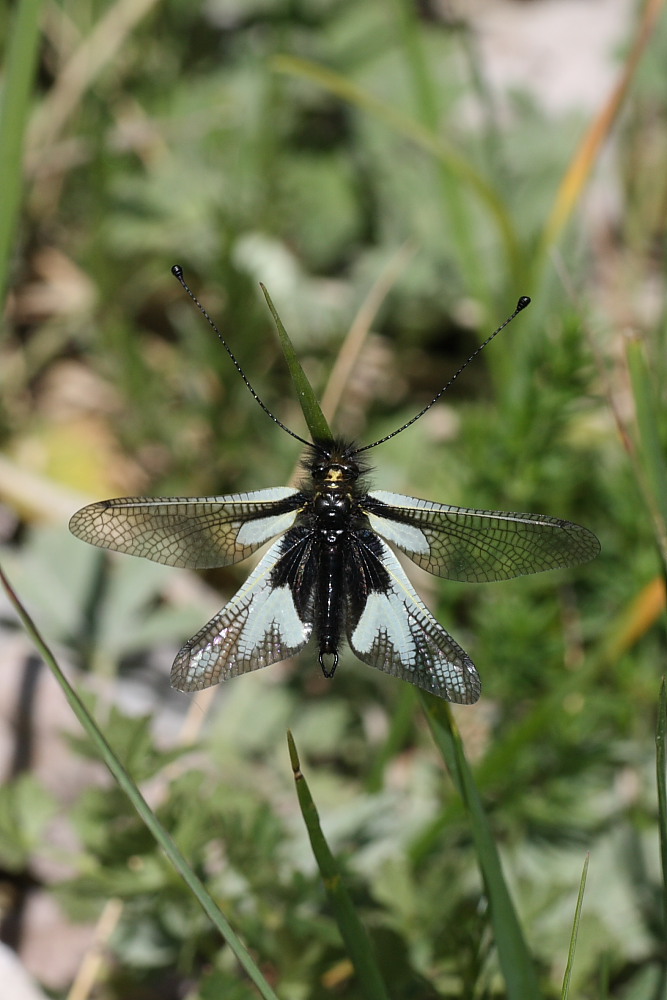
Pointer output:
x,y
661,729
125,782
352,931
19,74
513,954
317,425
565,992
604,976
653,459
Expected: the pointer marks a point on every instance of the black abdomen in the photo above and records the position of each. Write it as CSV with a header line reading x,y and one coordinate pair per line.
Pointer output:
x,y
329,603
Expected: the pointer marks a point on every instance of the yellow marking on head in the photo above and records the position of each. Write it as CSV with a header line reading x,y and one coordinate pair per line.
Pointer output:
x,y
333,476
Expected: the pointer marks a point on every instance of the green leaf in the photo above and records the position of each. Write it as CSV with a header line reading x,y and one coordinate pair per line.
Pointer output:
x,y
219,983
135,735
25,809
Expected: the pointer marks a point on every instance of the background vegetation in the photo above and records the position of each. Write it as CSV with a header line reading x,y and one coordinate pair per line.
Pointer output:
x,y
354,159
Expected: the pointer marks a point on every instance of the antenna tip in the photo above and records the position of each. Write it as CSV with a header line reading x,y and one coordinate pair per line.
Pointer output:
x,y
521,304
177,271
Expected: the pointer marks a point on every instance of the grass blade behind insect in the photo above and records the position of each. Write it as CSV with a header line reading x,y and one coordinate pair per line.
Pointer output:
x,y
351,929
513,954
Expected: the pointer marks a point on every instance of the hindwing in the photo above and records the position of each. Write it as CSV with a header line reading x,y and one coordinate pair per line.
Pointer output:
x,y
268,619
389,626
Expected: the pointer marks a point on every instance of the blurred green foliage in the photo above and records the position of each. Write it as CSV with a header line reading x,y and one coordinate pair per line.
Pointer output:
x,y
191,143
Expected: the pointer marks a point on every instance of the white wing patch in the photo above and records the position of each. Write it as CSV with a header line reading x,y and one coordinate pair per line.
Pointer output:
x,y
396,632
259,530
385,613
259,626
406,536
273,607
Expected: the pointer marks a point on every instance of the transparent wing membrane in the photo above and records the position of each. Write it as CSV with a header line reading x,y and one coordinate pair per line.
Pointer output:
x,y
477,546
193,532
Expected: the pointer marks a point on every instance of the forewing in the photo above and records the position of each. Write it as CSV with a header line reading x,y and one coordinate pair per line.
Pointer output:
x,y
195,532
389,627
260,625
477,546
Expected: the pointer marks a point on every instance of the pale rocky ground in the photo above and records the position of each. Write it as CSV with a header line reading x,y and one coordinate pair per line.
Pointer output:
x,y
561,51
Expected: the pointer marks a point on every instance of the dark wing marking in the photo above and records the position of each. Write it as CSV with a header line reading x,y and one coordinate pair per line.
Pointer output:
x,y
477,546
389,627
260,625
195,532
